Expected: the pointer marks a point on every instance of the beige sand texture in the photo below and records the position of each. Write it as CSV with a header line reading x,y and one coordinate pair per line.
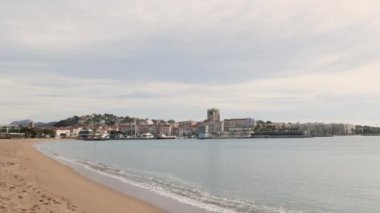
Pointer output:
x,y
32,182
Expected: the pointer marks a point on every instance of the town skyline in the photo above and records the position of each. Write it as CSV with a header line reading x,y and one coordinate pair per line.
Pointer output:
x,y
112,127
27,121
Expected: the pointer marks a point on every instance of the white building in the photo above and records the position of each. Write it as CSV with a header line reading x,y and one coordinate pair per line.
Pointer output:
x,y
62,133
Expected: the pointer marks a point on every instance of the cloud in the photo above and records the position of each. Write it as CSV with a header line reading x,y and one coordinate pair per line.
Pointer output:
x,y
288,60
309,96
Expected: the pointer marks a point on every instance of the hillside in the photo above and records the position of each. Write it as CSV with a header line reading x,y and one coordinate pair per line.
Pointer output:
x,y
95,119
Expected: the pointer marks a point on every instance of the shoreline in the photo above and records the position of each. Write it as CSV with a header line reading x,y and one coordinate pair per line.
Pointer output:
x,y
158,198
33,182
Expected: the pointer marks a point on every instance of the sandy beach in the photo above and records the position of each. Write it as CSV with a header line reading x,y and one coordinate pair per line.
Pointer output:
x,y
32,182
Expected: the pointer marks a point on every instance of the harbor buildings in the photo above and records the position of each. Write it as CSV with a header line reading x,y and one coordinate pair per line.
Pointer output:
x,y
155,129
10,131
186,129
213,127
270,129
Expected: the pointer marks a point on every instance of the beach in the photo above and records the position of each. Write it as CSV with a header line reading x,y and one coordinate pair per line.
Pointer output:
x,y
32,182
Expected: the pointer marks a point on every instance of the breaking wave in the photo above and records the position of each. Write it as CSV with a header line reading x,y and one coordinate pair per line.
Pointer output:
x,y
171,187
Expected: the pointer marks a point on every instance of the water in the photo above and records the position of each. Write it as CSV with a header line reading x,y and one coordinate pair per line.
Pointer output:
x,y
337,174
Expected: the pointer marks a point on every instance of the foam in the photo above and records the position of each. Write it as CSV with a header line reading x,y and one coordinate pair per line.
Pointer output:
x,y
168,186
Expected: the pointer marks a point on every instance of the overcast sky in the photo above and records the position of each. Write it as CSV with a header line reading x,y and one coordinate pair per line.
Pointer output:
x,y
289,60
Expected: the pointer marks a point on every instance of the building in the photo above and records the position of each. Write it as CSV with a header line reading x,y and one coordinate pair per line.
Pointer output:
x,y
145,122
11,131
213,115
186,132
154,129
343,129
203,132
185,129
212,127
323,130
186,123
62,133
128,129
85,133
74,131
166,130
239,123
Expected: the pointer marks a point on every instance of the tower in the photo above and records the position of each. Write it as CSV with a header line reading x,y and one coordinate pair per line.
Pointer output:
x,y
31,125
213,114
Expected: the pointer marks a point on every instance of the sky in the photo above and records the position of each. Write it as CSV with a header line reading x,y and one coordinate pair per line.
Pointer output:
x,y
290,60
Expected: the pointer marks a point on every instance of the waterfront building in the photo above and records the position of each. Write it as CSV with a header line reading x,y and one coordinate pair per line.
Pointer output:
x,y
62,133
185,132
238,128
212,127
166,129
129,129
185,129
203,132
344,129
322,129
85,133
239,123
154,129
11,135
10,131
74,131
186,123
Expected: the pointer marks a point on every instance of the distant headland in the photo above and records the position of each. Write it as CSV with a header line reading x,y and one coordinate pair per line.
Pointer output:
x,y
109,126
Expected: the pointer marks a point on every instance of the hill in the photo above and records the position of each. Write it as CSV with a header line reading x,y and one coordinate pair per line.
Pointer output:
x,y
95,119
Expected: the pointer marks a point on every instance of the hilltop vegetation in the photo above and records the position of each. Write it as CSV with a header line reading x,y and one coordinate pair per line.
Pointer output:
x,y
101,119
94,119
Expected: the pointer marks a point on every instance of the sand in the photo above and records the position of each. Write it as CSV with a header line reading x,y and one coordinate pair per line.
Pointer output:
x,y
32,182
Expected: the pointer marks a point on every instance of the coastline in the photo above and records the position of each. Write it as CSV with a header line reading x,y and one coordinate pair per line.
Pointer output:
x,y
33,182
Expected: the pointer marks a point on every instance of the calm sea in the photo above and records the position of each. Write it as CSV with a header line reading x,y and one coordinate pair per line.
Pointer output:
x,y
336,174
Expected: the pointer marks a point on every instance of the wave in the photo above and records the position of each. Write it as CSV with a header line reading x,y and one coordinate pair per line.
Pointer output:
x,y
171,187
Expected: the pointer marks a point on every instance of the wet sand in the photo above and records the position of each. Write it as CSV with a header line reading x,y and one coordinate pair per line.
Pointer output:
x,y
32,182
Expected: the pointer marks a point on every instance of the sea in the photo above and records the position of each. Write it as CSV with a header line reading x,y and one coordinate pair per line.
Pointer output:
x,y
330,174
